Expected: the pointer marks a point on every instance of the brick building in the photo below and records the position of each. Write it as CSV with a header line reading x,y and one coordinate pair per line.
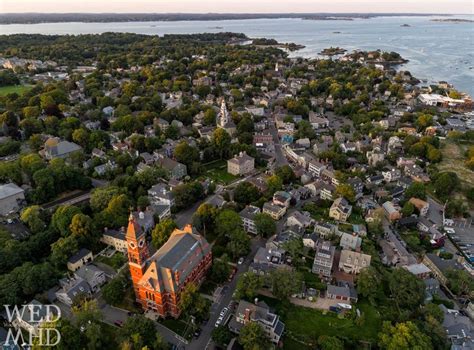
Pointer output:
x,y
159,279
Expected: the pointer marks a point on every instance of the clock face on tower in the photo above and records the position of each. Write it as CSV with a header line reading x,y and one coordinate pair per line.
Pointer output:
x,y
132,245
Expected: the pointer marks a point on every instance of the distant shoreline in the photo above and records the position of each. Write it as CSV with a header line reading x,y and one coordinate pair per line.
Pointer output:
x,y
37,18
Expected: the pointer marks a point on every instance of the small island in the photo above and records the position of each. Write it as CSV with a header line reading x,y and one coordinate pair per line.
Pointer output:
x,y
405,25
453,20
386,59
333,51
273,43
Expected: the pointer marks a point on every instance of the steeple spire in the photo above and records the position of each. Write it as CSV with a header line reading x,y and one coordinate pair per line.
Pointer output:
x,y
134,231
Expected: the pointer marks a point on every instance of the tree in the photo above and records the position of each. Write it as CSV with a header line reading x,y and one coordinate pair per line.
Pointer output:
x,y
210,117
162,232
274,184
416,190
253,337
305,130
118,209
265,225
405,335
368,284
221,336
101,196
286,174
192,303
44,185
407,290
460,282
294,247
221,140
62,249
114,292
408,209
346,191
186,154
62,218
285,283
248,286
138,326
327,342
204,218
433,154
227,222
446,183
81,226
32,217
187,194
423,121
220,269
246,193
239,243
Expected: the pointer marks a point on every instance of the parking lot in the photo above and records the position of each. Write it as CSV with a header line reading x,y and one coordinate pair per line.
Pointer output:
x,y
464,235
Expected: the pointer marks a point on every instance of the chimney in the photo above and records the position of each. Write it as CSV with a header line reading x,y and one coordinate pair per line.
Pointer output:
x,y
256,301
247,316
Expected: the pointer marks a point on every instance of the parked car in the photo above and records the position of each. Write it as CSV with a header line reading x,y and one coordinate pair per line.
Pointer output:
x,y
224,311
448,222
241,260
197,333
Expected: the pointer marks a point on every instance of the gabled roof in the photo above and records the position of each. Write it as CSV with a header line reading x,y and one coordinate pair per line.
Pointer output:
x,y
175,260
8,190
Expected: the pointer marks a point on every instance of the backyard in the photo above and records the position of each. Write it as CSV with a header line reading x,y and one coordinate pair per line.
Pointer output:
x,y
304,325
217,171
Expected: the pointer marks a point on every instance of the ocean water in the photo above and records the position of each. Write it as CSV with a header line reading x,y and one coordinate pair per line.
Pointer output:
x,y
435,50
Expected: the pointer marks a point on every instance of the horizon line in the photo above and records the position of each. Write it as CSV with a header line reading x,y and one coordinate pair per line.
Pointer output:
x,y
234,13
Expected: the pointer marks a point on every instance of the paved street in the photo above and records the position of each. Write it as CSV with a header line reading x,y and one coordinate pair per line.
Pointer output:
x,y
204,339
280,158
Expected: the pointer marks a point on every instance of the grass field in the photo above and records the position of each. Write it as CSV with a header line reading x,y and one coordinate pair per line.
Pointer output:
x,y
19,89
306,325
217,171
453,160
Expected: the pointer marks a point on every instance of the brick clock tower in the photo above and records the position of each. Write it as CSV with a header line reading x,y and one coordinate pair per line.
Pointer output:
x,y
137,251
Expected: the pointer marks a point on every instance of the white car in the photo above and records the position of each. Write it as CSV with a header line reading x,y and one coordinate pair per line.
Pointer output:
x,y
219,321
223,312
448,222
241,261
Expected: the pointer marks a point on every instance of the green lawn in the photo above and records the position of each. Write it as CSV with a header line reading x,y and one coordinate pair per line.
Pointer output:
x,y
306,325
217,171
115,261
19,89
178,326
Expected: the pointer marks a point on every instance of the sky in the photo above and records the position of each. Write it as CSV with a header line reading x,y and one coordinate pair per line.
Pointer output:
x,y
238,6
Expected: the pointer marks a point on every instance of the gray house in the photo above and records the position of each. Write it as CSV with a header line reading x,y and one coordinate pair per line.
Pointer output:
x,y
175,169
11,198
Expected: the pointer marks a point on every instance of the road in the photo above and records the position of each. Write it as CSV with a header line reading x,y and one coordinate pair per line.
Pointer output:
x,y
204,339
280,158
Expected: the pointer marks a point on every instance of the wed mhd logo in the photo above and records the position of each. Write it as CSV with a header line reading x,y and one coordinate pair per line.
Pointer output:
x,y
34,318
